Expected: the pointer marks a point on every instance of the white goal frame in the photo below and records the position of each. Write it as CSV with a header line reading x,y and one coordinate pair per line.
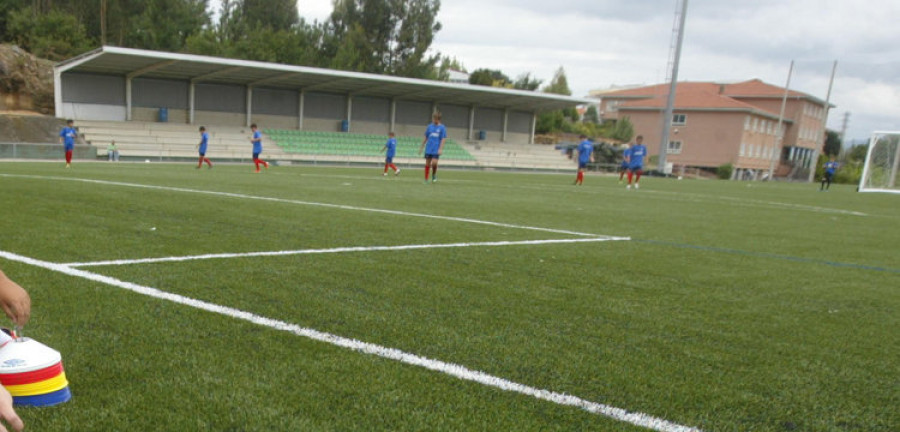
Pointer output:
x,y
893,186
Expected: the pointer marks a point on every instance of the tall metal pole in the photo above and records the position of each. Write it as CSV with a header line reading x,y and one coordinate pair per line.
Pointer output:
x,y
670,101
821,138
779,134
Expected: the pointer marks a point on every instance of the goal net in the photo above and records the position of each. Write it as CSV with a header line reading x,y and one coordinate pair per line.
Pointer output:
x,y
880,172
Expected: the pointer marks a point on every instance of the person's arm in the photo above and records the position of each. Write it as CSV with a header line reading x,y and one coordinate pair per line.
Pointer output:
x,y
422,147
14,300
8,413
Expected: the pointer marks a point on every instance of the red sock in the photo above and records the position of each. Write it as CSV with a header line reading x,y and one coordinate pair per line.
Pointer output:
x,y
68,156
393,167
256,162
385,168
580,177
629,176
639,172
265,164
426,172
200,162
208,161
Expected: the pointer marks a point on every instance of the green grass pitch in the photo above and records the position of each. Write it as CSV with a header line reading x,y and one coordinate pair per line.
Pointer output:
x,y
733,307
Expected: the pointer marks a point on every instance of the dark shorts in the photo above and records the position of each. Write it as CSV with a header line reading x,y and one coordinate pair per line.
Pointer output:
x,y
635,167
432,156
202,154
582,165
255,156
624,166
389,159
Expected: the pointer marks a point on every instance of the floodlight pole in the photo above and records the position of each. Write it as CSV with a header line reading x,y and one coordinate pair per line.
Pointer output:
x,y
670,101
779,132
820,140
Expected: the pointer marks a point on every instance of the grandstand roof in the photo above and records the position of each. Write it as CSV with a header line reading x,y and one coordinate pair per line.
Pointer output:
x,y
217,70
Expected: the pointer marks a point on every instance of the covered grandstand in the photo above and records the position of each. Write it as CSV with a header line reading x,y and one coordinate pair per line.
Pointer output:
x,y
164,94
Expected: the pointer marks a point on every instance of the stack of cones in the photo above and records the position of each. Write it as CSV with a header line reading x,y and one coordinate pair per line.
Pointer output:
x,y
33,373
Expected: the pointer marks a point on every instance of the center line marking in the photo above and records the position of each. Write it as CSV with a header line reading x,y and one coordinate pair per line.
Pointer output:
x,y
452,369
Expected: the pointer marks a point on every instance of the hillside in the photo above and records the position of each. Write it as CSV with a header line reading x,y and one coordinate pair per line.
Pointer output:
x,y
26,82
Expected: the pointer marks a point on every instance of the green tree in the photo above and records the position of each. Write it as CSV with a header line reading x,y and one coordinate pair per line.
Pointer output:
x,y
489,78
832,146
277,15
383,36
857,153
54,35
526,82
623,130
6,7
591,115
166,25
559,84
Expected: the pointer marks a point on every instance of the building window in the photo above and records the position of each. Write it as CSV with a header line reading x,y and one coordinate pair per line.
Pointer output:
x,y
679,119
612,106
674,147
747,123
755,124
743,151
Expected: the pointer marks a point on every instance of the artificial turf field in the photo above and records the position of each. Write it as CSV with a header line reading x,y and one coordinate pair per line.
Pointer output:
x,y
720,306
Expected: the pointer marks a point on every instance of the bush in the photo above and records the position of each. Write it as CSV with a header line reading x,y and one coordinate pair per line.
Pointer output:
x,y
724,171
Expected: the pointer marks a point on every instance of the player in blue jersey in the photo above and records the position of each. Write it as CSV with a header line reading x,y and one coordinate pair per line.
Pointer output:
x,y
623,167
256,139
390,147
433,144
830,167
636,155
201,147
585,156
67,138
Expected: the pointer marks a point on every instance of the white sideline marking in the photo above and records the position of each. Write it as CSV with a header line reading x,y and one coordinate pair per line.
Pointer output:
x,y
309,203
458,371
339,250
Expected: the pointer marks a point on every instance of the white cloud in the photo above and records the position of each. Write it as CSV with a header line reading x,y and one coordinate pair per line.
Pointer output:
x,y
604,42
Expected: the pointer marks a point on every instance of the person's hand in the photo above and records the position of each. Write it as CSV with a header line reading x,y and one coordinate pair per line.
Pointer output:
x,y
8,413
14,300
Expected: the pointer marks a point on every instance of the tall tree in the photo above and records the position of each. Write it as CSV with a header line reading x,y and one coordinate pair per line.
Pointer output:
x,y
559,84
526,82
489,78
383,36
832,146
54,35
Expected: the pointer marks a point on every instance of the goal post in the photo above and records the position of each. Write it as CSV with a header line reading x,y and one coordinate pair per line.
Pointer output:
x,y
882,166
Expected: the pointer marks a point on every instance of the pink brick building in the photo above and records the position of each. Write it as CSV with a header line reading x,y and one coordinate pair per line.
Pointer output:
x,y
718,124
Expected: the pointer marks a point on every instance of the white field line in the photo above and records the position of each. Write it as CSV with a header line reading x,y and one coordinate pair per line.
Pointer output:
x,y
308,203
455,370
340,250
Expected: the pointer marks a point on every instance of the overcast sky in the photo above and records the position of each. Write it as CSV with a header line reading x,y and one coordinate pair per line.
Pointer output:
x,y
601,43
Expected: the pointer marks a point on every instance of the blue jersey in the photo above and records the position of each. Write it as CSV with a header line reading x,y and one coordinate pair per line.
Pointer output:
x,y
391,146
625,155
637,153
204,140
830,167
434,135
68,134
584,151
257,142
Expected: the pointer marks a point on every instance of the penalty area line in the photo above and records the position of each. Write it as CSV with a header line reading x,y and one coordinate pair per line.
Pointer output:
x,y
451,369
341,250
